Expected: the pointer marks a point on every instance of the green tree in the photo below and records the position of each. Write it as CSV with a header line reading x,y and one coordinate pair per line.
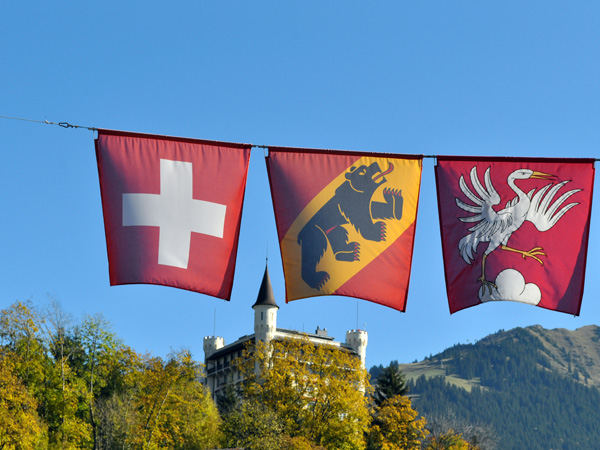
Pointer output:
x,y
66,394
390,382
228,399
117,412
100,347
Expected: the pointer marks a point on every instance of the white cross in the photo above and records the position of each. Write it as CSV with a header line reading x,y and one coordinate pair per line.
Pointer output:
x,y
175,212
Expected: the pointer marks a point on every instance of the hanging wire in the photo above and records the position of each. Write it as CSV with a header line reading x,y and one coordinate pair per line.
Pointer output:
x,y
69,125
47,122
25,120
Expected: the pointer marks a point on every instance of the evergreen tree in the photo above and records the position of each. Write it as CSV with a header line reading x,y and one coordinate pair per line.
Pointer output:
x,y
390,382
227,400
519,403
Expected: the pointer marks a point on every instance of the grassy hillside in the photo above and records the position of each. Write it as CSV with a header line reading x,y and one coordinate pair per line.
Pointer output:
x,y
575,354
537,388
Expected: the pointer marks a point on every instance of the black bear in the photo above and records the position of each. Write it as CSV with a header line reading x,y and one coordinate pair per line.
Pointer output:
x,y
352,205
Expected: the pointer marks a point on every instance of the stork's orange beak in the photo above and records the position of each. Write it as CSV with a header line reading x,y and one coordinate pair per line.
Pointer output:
x,y
542,175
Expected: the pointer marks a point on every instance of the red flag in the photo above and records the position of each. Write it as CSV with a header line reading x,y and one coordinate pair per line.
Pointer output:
x,y
346,222
515,229
172,209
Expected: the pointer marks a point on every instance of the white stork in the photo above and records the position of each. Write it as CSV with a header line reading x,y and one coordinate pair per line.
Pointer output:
x,y
497,227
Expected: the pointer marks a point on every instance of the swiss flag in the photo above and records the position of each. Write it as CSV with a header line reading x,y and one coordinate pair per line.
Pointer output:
x,y
172,209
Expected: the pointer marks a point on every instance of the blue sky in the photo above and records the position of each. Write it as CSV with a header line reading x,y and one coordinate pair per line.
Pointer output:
x,y
434,78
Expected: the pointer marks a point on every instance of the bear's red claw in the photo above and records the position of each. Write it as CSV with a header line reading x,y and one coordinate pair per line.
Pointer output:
x,y
396,192
323,281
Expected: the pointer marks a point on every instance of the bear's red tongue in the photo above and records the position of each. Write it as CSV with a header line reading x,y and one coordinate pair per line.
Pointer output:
x,y
382,174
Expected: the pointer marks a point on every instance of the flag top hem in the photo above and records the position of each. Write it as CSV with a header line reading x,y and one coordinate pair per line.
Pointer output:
x,y
172,138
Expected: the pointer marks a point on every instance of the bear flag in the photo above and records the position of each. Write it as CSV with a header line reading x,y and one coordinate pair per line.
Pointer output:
x,y
172,209
515,229
346,222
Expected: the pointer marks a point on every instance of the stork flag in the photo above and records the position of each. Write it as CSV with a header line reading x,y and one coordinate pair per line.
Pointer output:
x,y
515,229
172,209
346,222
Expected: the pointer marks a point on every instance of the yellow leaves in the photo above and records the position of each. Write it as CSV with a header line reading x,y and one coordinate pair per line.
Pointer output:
x,y
175,410
20,426
80,387
396,426
448,441
317,390
300,443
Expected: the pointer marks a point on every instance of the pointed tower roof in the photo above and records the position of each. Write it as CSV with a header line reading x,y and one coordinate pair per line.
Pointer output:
x,y
265,293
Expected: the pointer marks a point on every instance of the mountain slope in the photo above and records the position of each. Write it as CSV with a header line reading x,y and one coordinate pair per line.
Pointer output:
x,y
538,388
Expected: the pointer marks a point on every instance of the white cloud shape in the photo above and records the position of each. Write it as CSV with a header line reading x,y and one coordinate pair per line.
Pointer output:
x,y
511,287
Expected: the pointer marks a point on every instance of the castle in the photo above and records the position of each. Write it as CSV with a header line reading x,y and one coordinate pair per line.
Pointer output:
x,y
218,356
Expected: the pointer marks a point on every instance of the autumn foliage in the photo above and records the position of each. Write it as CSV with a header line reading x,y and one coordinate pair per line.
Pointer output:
x,y
317,391
78,386
67,385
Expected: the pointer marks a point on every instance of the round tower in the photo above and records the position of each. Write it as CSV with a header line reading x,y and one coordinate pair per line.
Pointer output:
x,y
265,311
212,344
357,340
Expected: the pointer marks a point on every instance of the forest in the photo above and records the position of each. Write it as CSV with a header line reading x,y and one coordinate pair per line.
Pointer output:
x,y
516,392
74,384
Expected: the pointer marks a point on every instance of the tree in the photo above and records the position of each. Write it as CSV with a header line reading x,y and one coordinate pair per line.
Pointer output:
x,y
79,387
396,426
443,428
300,443
227,400
175,410
20,333
40,366
20,426
448,440
23,340
318,391
56,325
254,426
116,418
390,382
66,395
191,419
157,404
100,346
